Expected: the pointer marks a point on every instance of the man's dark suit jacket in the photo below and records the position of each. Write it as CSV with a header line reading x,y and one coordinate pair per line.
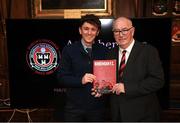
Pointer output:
x,y
142,77
75,63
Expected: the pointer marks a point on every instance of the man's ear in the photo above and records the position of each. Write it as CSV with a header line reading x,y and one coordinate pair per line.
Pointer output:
x,y
133,31
80,30
97,33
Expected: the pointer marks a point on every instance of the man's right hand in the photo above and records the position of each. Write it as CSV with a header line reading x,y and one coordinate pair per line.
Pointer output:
x,y
88,78
95,93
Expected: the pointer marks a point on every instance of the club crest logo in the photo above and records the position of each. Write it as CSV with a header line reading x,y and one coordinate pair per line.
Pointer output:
x,y
43,57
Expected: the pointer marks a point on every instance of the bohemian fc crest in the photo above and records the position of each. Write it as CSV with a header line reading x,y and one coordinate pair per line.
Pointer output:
x,y
43,57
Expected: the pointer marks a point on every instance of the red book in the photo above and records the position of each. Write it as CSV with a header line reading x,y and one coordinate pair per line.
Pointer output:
x,y
105,72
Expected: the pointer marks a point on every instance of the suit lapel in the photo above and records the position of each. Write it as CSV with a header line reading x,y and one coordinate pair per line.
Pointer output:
x,y
81,48
132,57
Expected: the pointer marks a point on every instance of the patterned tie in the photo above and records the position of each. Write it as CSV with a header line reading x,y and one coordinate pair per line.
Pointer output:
x,y
122,64
89,51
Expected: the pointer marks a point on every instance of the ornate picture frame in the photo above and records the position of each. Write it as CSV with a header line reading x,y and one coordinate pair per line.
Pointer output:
x,y
70,8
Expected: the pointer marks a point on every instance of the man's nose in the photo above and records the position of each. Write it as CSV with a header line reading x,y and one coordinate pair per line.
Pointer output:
x,y
89,31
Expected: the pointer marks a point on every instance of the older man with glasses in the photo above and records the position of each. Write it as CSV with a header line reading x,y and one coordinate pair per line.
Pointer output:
x,y
139,77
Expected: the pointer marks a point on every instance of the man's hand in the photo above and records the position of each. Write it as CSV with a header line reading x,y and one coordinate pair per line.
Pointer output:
x,y
95,93
118,88
88,78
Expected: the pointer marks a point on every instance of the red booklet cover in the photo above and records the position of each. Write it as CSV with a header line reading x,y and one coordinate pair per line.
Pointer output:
x,y
105,72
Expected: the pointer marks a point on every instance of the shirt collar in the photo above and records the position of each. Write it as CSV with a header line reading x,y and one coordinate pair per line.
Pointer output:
x,y
82,41
84,46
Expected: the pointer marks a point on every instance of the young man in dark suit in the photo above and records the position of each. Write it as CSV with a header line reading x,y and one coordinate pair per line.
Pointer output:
x,y
76,73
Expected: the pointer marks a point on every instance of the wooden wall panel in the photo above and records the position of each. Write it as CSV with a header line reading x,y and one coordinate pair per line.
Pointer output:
x,y
171,115
19,9
4,84
125,8
175,90
175,53
175,71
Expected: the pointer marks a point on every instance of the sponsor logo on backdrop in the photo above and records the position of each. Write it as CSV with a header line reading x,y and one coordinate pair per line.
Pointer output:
x,y
43,56
108,44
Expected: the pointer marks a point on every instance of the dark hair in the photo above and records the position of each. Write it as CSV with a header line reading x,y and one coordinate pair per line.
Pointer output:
x,y
92,19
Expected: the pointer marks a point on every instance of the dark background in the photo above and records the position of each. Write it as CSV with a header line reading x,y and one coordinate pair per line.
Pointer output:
x,y
28,90
73,4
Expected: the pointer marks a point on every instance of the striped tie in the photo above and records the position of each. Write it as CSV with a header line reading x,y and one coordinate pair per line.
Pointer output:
x,y
122,64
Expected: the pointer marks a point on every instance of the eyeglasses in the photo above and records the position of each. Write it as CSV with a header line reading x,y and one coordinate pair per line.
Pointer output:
x,y
123,31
